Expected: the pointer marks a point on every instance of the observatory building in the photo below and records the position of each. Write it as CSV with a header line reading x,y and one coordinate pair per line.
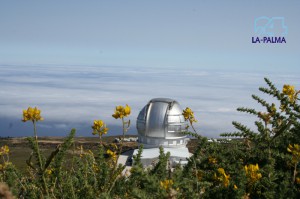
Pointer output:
x,y
161,123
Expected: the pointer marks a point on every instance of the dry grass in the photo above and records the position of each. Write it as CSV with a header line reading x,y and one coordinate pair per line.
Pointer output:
x,y
20,151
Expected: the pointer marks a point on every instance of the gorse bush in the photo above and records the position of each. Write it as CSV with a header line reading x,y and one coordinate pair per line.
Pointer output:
x,y
260,163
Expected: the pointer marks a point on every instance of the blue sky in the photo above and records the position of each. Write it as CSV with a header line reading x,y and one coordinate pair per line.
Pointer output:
x,y
55,49
210,34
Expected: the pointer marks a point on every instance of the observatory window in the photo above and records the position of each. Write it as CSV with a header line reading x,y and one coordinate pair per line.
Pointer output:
x,y
173,119
174,128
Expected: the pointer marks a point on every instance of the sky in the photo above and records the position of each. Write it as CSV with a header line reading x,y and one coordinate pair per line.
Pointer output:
x,y
77,60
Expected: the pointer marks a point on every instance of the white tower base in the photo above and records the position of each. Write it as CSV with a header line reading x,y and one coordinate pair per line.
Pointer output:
x,y
177,155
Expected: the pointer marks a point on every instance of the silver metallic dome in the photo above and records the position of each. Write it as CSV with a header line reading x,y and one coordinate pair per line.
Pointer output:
x,y
159,121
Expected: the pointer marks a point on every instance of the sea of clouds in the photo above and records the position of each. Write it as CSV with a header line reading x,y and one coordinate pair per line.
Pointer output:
x,y
73,96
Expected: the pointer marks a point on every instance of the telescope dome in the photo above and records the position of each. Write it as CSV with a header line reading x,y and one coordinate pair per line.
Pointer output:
x,y
161,122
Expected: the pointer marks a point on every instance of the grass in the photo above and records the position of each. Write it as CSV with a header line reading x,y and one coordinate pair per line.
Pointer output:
x,y
20,151
19,156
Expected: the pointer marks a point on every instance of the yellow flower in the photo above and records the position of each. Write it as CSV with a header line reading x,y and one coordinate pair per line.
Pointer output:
x,y
252,172
235,187
99,127
288,89
188,114
223,177
226,180
221,171
112,154
95,168
33,114
127,110
290,92
121,112
4,150
166,184
298,180
49,171
3,166
212,160
295,150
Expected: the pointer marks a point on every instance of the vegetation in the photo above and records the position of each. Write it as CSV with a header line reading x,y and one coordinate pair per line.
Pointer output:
x,y
264,163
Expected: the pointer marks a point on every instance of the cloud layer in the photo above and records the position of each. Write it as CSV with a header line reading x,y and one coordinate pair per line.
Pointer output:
x,y
73,96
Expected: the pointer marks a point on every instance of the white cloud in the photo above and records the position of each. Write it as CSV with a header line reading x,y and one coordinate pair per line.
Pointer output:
x,y
69,95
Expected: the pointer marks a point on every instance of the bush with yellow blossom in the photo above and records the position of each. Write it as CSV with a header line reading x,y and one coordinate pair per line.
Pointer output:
x,y
99,128
222,177
4,158
252,172
188,115
166,184
290,91
121,112
32,114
